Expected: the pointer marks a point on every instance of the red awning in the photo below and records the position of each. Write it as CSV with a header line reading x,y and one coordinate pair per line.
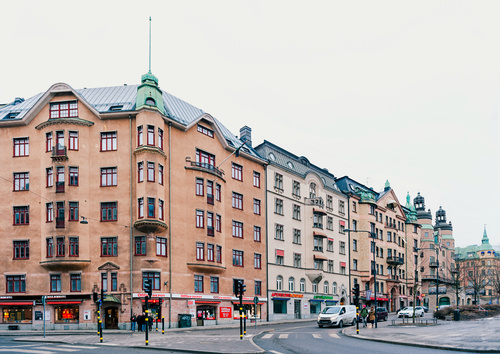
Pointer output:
x,y
280,253
319,234
207,302
342,223
330,239
342,264
66,302
317,256
247,303
16,303
319,211
380,298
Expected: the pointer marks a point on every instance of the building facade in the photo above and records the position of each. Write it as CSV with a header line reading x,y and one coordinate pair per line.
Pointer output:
x,y
382,253
106,188
478,273
436,256
308,264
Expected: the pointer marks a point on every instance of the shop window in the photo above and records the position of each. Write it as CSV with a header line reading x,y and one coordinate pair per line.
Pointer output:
x,y
17,314
66,314
279,306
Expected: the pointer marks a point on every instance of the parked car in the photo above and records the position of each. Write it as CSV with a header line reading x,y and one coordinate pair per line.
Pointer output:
x,y
408,312
443,307
426,309
382,314
337,316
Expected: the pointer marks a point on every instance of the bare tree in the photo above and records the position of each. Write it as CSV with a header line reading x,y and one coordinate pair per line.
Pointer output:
x,y
494,276
476,277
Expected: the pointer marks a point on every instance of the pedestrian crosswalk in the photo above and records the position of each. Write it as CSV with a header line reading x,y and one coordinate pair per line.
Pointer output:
x,y
43,348
299,335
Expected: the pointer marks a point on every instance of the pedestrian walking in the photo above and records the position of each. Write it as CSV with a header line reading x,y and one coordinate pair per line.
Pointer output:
x,y
133,322
140,323
364,315
371,315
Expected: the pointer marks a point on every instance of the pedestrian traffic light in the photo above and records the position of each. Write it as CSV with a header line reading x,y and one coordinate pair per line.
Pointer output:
x,y
148,287
243,288
236,287
94,297
355,292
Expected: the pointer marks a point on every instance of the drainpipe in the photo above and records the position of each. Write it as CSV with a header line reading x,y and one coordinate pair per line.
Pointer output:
x,y
267,249
170,224
349,241
131,220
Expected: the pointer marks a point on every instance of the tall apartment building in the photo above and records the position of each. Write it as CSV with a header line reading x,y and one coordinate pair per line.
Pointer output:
x,y
436,256
387,260
105,188
478,273
308,264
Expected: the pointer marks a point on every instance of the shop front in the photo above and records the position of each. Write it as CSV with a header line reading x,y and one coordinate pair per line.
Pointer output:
x,y
16,314
283,308
206,312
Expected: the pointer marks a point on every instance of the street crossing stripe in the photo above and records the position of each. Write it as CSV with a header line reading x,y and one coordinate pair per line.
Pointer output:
x,y
78,346
334,335
267,336
283,336
57,349
317,335
30,351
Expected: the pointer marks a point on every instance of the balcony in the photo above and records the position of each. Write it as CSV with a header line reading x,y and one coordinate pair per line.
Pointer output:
x,y
395,260
433,264
205,167
59,153
210,230
59,223
65,264
150,225
393,278
206,267
210,199
60,187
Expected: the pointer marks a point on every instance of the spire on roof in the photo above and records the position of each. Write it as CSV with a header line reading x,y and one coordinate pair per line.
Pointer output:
x,y
387,186
485,239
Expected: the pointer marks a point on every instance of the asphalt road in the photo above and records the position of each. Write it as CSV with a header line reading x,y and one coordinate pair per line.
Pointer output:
x,y
307,338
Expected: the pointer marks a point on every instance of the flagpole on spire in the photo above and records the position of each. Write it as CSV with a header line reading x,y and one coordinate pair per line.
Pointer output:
x,y
150,44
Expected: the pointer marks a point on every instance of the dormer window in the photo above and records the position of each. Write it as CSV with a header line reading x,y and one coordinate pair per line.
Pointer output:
x,y
64,109
205,130
150,101
116,108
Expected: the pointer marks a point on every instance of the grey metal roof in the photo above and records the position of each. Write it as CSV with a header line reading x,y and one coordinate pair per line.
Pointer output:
x,y
103,98
295,164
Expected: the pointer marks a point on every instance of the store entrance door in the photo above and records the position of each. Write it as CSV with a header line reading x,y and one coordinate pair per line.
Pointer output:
x,y
296,309
111,319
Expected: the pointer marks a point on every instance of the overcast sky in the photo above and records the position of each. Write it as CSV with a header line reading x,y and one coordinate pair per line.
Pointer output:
x,y
377,90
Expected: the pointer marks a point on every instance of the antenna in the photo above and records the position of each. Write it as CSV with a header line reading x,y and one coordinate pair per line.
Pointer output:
x,y
149,44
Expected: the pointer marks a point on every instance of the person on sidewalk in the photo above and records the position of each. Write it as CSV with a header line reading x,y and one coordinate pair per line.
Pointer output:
x,y
371,315
364,315
133,322
140,323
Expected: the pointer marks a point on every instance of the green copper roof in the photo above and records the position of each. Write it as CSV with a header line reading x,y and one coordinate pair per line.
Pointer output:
x,y
149,94
427,227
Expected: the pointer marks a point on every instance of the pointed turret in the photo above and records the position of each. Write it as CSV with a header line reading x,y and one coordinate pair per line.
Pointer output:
x,y
485,239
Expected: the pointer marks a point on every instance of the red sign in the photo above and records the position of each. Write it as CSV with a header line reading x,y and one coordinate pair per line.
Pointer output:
x,y
225,312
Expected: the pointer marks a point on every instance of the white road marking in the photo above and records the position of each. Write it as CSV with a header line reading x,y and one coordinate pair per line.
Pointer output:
x,y
78,346
283,336
317,335
275,352
267,336
334,335
57,349
18,350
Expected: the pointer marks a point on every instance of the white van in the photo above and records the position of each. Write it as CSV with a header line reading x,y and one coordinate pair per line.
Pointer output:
x,y
337,316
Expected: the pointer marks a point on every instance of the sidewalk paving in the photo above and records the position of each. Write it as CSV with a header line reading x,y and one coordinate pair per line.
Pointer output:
x,y
480,336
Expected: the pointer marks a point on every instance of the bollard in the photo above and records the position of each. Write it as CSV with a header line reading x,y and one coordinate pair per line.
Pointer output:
x,y
162,324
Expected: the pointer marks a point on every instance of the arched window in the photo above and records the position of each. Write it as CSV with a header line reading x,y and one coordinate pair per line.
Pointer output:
x,y
150,101
312,190
315,287
302,285
334,288
325,287
291,284
279,283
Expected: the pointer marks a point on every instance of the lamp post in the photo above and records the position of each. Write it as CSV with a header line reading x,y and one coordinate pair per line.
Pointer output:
x,y
372,235
456,277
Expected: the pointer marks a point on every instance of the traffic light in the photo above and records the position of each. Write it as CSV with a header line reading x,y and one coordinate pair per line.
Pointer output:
x,y
243,288
236,287
94,297
355,292
148,287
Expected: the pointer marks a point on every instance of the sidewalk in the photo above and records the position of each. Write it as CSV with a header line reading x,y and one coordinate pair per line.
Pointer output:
x,y
478,336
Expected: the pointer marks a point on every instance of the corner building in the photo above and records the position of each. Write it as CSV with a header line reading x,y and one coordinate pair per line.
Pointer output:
x,y
104,188
308,264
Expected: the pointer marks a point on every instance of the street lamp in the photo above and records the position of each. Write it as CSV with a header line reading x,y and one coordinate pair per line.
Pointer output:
x,y
372,235
456,275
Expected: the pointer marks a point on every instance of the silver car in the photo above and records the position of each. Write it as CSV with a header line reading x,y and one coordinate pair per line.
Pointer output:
x,y
408,312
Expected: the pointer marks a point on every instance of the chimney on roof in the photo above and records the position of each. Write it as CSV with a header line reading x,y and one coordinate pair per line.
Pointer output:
x,y
246,135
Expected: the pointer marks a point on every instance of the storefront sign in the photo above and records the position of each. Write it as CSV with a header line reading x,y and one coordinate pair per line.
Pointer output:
x,y
191,302
306,305
86,315
225,312
38,316
323,297
286,295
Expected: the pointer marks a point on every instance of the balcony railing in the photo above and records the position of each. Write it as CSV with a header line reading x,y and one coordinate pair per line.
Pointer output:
x,y
210,199
59,152
59,187
433,264
395,260
206,166
210,230
318,225
59,223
